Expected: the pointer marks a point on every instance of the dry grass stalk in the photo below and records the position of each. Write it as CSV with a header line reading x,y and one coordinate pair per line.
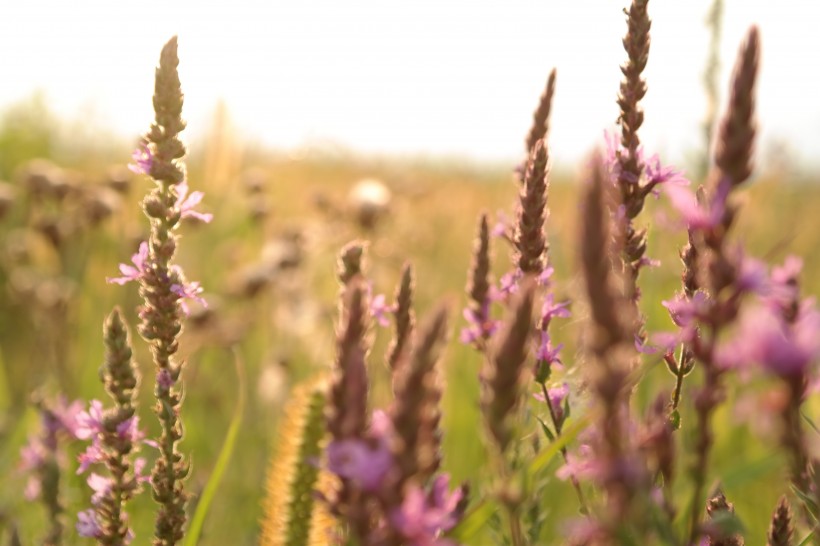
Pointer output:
x,y
405,319
502,376
541,118
530,241
416,412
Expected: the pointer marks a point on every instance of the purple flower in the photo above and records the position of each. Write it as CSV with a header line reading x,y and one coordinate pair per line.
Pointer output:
x,y
188,291
90,423
100,485
781,348
544,277
479,327
135,272
143,159
32,455
658,174
88,525
551,310
507,285
365,462
379,310
503,225
186,203
139,471
164,379
644,348
129,429
421,519
582,464
700,216
545,352
684,311
557,395
93,454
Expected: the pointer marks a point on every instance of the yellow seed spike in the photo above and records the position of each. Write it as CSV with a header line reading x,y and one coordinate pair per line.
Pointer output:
x,y
293,516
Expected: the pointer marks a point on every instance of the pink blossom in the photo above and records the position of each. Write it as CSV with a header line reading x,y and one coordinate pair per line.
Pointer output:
x,y
32,455
139,471
507,285
88,525
93,454
379,310
143,159
188,291
100,485
129,429
557,396
782,348
551,310
545,352
366,462
544,277
698,216
421,519
684,311
135,272
479,327
186,203
658,174
90,423
503,225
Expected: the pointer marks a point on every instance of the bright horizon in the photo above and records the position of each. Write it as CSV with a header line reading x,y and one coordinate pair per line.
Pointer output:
x,y
453,78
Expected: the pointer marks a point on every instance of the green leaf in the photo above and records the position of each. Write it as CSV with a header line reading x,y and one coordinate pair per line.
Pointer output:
x,y
192,536
807,539
473,522
547,432
568,435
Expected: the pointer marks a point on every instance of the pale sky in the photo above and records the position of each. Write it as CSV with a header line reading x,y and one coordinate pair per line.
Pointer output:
x,y
446,77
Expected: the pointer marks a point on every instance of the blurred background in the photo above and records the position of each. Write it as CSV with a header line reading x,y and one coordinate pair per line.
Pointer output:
x,y
314,123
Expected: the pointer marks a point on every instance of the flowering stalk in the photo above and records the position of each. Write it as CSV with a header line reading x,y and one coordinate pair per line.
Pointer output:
x,y
781,528
405,319
724,283
630,162
114,436
163,286
41,457
541,118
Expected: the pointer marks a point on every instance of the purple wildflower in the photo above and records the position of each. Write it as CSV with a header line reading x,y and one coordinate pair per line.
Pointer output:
x,y
545,352
100,485
658,174
503,225
544,277
32,455
188,291
186,203
135,272
507,285
366,462
164,379
695,215
88,525
129,429
90,423
93,454
421,519
143,160
379,310
765,338
479,327
551,310
139,470
557,396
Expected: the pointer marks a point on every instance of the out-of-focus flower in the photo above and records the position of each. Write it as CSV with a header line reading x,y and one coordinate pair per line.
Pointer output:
x,y
657,174
545,352
503,225
143,159
507,285
186,203
699,216
135,272
192,291
479,327
557,396
88,525
90,422
379,310
100,485
551,310
781,348
421,519
364,461
93,454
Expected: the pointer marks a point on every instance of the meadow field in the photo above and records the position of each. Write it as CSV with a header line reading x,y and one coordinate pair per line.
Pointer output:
x,y
279,308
